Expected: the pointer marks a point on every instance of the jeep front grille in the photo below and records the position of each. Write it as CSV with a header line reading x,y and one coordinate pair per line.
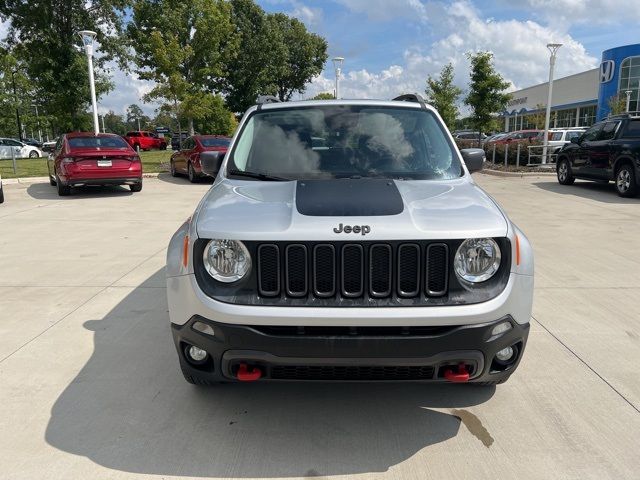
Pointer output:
x,y
353,270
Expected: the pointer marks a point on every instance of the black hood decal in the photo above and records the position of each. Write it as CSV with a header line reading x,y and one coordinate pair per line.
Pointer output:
x,y
348,197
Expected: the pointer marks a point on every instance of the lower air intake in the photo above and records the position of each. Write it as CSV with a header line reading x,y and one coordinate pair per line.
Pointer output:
x,y
351,373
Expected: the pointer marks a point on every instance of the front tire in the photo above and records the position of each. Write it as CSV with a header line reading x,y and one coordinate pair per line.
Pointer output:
x,y
52,181
63,190
1,194
565,176
626,181
191,173
172,168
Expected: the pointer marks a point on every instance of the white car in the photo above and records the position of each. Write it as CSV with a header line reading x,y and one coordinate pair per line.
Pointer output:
x,y
558,137
374,256
20,149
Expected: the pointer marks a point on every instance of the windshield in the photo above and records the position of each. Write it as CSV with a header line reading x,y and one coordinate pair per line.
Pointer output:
x,y
337,141
215,142
95,142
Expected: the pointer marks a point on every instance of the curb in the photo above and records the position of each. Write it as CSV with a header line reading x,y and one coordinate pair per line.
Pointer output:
x,y
500,173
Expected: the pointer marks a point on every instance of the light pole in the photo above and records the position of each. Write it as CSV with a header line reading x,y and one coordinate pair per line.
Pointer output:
x,y
628,94
88,37
553,48
35,105
337,65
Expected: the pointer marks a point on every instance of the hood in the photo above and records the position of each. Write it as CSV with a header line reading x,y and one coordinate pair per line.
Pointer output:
x,y
429,210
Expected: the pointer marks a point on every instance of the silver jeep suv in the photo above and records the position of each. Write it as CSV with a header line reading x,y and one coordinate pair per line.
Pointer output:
x,y
346,240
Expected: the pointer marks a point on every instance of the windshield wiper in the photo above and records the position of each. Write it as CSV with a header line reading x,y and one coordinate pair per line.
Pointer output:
x,y
258,175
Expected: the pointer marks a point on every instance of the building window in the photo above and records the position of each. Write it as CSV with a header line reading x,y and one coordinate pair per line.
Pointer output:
x,y
565,118
630,80
587,116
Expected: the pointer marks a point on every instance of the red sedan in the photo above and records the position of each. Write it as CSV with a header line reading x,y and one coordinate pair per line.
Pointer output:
x,y
83,158
187,160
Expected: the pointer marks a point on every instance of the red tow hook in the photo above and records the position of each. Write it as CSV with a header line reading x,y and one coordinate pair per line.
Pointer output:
x,y
246,375
461,376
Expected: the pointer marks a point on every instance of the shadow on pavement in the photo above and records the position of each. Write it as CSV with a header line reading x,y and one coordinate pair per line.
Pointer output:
x,y
183,180
601,192
44,191
129,409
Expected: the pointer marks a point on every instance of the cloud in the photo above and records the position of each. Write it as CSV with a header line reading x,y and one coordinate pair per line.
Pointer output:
x,y
386,9
128,89
564,13
519,47
312,17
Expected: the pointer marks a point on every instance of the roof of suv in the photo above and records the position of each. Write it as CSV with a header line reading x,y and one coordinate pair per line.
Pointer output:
x,y
315,103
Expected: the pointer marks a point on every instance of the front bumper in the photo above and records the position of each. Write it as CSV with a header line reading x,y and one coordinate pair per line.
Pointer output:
x,y
349,353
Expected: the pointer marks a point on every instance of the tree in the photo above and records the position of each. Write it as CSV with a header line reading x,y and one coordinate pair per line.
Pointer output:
x,y
114,123
538,117
324,96
443,95
184,46
278,56
218,120
486,95
301,55
42,35
617,104
135,117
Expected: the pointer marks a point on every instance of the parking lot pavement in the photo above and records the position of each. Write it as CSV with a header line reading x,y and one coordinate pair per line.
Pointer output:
x,y
90,384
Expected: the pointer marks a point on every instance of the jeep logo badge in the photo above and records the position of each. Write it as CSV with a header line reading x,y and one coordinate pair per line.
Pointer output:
x,y
361,229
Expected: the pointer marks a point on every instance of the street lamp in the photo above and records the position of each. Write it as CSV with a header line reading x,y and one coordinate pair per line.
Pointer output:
x,y
628,94
88,37
38,122
553,49
337,65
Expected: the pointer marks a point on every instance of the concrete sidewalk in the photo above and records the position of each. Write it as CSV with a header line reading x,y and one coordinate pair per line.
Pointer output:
x,y
91,386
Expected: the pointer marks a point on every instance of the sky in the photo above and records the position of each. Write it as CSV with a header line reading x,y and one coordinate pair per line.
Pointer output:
x,y
391,46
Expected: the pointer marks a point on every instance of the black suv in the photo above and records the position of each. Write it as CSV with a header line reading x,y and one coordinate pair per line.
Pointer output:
x,y
609,150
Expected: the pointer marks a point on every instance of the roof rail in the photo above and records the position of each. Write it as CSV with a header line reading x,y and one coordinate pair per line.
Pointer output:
x,y
412,97
262,99
631,114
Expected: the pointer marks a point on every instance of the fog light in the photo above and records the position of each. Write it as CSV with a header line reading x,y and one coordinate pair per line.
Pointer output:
x,y
203,328
501,328
197,354
503,355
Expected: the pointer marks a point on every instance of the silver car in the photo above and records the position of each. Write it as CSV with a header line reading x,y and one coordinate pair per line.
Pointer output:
x,y
345,240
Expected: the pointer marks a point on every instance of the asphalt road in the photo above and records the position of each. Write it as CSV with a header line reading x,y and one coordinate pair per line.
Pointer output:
x,y
90,385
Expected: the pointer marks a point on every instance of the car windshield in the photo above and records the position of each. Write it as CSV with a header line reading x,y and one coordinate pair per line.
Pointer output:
x,y
215,142
97,142
338,141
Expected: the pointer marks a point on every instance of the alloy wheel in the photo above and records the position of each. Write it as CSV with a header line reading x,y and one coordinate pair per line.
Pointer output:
x,y
623,181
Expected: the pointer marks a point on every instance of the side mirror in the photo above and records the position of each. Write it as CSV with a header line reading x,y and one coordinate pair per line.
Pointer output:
x,y
575,140
210,162
474,158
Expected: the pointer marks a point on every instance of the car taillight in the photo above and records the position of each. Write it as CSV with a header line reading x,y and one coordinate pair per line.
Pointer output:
x,y
67,160
134,158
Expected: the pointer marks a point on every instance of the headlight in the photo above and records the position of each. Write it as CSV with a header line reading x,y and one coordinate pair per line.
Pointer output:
x,y
477,259
226,260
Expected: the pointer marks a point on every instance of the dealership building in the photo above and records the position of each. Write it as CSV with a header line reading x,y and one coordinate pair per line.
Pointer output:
x,y
580,100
